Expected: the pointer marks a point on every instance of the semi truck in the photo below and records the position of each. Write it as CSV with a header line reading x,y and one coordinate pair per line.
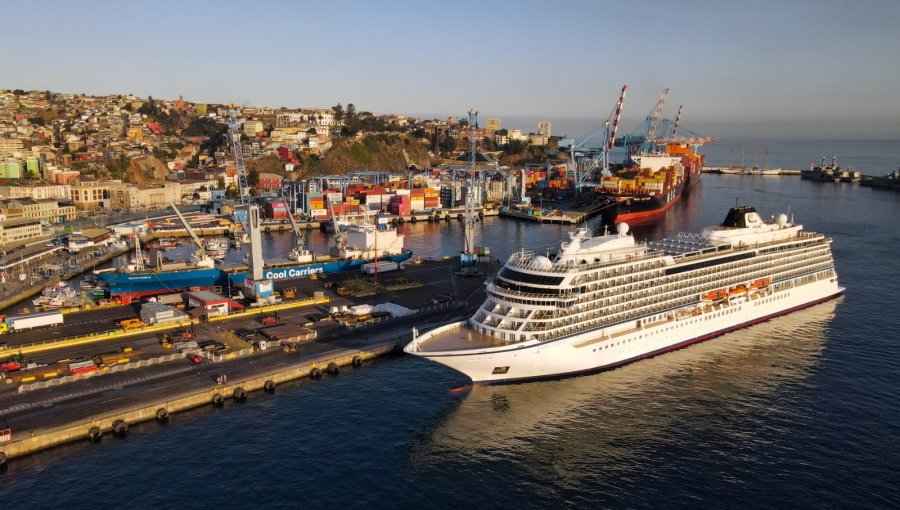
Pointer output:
x,y
29,321
383,267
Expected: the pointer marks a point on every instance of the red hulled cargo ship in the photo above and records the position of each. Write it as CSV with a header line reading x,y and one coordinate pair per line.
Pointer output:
x,y
647,189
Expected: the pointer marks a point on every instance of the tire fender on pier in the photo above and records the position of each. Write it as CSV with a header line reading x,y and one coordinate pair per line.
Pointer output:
x,y
2,459
315,373
239,394
94,434
357,362
269,386
162,415
333,368
218,400
120,428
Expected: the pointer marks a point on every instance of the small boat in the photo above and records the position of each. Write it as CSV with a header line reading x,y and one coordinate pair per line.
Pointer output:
x,y
762,283
737,290
715,295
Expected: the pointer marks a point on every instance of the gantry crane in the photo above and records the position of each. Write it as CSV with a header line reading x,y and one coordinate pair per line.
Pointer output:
x,y
582,169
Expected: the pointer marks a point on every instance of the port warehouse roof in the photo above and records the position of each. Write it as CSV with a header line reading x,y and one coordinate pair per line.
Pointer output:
x,y
208,298
288,333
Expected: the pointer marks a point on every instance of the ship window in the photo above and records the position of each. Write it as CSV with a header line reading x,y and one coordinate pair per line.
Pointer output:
x,y
520,277
500,370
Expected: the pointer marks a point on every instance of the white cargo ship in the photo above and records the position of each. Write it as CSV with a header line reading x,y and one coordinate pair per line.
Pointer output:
x,y
605,301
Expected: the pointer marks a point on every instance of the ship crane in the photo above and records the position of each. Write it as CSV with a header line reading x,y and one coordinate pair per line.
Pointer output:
x,y
200,258
583,169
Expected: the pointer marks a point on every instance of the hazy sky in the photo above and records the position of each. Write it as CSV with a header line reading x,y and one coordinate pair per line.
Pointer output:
x,y
741,68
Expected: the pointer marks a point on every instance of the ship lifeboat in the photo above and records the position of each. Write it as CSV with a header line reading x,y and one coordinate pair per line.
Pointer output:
x,y
762,283
738,290
715,295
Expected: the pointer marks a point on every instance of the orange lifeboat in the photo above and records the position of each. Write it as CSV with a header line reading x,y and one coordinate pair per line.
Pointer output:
x,y
762,283
740,289
715,295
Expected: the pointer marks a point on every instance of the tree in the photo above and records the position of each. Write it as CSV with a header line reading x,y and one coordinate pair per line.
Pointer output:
x,y
19,92
37,121
338,113
515,147
351,120
253,177
202,188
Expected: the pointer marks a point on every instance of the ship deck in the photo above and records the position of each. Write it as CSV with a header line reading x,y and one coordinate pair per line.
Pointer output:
x,y
458,339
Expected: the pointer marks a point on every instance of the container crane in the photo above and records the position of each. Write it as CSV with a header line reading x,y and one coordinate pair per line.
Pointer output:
x,y
650,138
467,259
583,168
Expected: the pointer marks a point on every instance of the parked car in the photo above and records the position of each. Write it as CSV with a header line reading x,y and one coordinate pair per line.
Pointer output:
x,y
194,357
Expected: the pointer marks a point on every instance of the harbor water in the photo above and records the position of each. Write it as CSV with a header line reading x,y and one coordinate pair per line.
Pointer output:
x,y
797,412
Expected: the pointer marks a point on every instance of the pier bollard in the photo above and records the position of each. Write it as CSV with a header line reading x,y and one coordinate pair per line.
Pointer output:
x,y
333,368
94,434
239,394
269,386
120,428
218,400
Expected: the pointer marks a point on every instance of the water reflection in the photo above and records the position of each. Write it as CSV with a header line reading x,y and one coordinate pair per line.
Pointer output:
x,y
611,420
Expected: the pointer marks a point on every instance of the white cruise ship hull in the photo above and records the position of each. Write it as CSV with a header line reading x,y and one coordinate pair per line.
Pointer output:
x,y
622,343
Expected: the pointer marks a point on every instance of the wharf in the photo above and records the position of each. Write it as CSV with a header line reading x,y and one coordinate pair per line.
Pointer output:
x,y
43,415
84,266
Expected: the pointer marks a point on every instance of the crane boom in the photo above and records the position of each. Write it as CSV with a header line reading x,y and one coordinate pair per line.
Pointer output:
x,y
677,120
189,229
235,135
654,120
611,139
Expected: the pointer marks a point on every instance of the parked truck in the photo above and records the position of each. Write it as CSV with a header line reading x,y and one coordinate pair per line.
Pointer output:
x,y
33,320
383,267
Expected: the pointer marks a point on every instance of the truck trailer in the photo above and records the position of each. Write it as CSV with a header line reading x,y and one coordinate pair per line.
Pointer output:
x,y
33,320
383,267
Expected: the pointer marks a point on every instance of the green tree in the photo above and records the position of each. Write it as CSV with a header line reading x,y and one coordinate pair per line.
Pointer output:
x,y
37,121
253,177
19,92
338,113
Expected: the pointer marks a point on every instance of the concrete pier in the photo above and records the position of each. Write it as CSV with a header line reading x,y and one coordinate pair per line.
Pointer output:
x,y
106,422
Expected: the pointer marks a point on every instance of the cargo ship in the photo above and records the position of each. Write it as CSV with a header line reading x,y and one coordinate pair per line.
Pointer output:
x,y
605,301
358,245
647,188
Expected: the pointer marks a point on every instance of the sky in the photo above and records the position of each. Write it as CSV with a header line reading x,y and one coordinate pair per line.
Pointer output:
x,y
826,68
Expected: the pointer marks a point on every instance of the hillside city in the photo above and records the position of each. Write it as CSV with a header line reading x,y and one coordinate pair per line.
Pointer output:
x,y
69,156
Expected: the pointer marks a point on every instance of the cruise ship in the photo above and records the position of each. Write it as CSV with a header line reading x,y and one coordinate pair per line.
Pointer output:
x,y
605,301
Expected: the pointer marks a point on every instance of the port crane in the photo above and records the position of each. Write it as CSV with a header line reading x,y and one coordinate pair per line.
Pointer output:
x,y
467,259
234,133
199,257
581,169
